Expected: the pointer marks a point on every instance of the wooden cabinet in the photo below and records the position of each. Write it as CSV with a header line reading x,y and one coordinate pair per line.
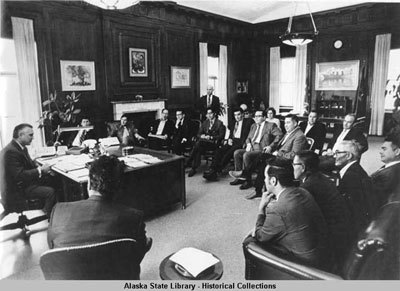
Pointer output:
x,y
337,107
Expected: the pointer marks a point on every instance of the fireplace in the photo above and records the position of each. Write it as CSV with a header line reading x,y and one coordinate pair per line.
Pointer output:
x,y
124,107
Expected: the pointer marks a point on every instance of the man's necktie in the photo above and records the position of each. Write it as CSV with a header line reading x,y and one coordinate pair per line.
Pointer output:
x,y
236,127
82,138
257,132
209,101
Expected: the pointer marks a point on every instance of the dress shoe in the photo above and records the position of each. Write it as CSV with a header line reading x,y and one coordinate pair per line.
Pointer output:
x,y
236,174
246,185
211,176
236,182
253,195
191,172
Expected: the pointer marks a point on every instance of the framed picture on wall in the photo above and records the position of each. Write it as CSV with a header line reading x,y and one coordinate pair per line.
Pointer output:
x,y
242,86
77,76
180,77
337,75
138,62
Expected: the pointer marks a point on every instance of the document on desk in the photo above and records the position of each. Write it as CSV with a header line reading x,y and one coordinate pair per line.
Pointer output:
x,y
148,159
72,163
132,162
194,260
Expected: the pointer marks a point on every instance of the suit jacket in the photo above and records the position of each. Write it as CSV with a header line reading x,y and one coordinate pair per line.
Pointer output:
x,y
17,170
215,104
246,125
167,130
271,135
217,131
294,225
356,188
317,132
183,131
119,132
295,143
385,182
355,134
95,220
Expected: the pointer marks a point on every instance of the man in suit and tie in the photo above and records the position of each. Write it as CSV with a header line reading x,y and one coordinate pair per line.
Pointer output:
x,y
355,186
209,101
19,175
211,133
161,132
181,135
237,135
83,134
98,218
387,178
315,130
127,134
263,138
289,220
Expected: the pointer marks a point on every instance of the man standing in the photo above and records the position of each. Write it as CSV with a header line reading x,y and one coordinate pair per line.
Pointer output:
x,y
387,178
182,135
211,133
209,101
161,132
19,175
315,130
127,134
355,186
263,138
237,135
289,220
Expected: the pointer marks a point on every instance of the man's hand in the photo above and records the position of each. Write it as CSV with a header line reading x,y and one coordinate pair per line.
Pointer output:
x,y
203,136
328,152
265,199
184,140
45,168
267,149
252,232
230,142
248,147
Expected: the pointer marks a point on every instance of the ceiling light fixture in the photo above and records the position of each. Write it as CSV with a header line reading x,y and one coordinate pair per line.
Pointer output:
x,y
298,38
113,4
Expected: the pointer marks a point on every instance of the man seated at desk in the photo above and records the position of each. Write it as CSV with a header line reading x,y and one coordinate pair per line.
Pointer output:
x,y
98,218
127,134
74,138
19,174
161,132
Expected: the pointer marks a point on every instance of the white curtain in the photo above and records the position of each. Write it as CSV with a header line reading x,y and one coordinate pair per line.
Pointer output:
x,y
203,51
27,68
300,79
381,63
222,80
274,73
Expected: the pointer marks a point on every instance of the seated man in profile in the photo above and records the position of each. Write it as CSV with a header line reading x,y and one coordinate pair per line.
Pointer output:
x,y
127,134
98,218
289,220
315,130
161,132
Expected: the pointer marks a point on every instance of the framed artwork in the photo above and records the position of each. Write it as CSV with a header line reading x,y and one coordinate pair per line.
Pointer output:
x,y
242,86
138,66
337,75
77,76
180,77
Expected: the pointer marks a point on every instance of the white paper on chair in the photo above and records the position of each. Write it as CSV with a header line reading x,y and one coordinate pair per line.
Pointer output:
x,y
194,260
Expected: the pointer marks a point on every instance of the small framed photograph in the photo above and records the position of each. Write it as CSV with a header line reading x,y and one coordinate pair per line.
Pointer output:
x,y
138,62
242,86
180,77
77,76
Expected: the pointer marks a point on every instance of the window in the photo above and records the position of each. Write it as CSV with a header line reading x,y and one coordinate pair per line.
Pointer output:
x,y
393,83
213,66
287,84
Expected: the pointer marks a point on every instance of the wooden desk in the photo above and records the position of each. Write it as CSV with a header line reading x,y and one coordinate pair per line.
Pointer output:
x,y
150,188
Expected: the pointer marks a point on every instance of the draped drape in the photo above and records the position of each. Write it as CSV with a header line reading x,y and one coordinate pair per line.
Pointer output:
x,y
381,63
274,73
300,78
27,68
222,80
203,52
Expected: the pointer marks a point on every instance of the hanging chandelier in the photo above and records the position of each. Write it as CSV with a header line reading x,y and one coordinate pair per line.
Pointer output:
x,y
298,38
112,4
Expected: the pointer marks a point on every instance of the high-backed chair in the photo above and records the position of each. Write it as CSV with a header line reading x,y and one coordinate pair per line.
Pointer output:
x,y
110,260
375,256
310,142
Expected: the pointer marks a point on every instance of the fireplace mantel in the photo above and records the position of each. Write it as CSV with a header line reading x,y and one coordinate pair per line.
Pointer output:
x,y
121,107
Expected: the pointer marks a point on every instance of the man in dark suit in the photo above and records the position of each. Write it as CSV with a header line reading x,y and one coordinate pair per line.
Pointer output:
x,y
355,186
19,175
161,131
331,203
208,101
211,133
98,218
387,178
237,135
315,130
182,135
127,134
263,138
289,220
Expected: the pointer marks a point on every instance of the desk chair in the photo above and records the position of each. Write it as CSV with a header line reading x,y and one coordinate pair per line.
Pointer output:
x,y
310,142
110,260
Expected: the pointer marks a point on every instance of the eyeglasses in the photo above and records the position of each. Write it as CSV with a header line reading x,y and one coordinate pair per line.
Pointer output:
x,y
297,164
339,152
258,115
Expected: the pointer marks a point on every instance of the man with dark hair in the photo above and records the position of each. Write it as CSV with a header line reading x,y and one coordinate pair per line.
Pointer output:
x,y
315,130
211,133
161,131
237,135
83,134
98,218
289,220
182,134
331,203
387,178
19,174
127,134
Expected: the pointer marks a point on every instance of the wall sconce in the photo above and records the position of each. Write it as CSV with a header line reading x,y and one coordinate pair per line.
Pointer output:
x,y
112,4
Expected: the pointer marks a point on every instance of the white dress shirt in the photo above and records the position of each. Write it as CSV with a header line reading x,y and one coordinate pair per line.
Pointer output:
x,y
161,127
239,129
340,138
345,168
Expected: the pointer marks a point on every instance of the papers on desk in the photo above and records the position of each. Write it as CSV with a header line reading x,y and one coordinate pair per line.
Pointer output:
x,y
193,260
109,141
72,162
45,151
148,159
139,160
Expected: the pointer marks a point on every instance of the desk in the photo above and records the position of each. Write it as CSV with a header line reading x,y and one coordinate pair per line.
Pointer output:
x,y
150,188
